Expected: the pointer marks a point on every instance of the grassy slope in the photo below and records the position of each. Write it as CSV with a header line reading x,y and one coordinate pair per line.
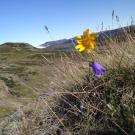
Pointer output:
x,y
74,101
24,75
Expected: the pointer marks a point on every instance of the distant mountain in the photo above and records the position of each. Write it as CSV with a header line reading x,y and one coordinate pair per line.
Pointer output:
x,y
63,44
102,37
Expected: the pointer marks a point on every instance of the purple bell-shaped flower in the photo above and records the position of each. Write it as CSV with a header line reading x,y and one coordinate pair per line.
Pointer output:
x,y
97,69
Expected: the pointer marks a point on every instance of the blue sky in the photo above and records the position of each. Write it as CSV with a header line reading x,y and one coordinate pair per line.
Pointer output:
x,y
24,20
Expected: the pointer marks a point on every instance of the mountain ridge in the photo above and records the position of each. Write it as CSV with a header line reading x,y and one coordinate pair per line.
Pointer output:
x,y
68,44
102,36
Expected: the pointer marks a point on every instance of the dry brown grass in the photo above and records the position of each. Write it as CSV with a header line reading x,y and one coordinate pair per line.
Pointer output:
x,y
78,103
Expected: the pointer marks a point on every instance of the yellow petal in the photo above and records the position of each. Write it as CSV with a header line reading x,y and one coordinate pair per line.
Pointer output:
x,y
78,46
79,41
93,44
86,31
78,37
82,49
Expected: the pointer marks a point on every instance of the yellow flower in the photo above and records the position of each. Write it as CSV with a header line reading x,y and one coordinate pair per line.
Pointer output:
x,y
86,41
